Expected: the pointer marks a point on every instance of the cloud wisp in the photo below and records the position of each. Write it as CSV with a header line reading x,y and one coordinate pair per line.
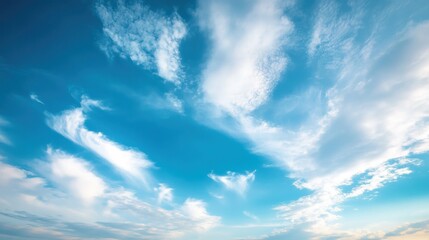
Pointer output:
x,y
372,119
148,38
380,122
70,123
165,193
75,175
235,182
3,138
36,98
246,56
89,207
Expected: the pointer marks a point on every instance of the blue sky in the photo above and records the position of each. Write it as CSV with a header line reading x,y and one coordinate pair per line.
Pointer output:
x,y
214,119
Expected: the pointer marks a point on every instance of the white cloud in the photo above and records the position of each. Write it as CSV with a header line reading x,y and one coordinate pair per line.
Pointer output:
x,y
166,102
215,195
196,211
75,175
382,115
23,191
321,207
250,215
150,39
383,174
332,31
417,230
35,98
9,174
49,205
246,56
373,117
190,217
238,183
165,193
70,124
174,103
3,138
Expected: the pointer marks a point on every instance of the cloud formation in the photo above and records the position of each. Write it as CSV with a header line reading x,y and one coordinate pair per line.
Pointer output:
x,y
70,123
165,193
380,120
148,38
75,175
246,56
238,183
367,124
3,138
101,212
35,98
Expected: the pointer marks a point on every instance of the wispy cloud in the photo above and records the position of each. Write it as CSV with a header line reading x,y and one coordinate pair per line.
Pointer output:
x,y
149,38
75,175
332,31
417,230
35,98
250,215
3,138
112,213
246,56
322,207
238,183
196,211
70,123
367,125
166,102
165,193
215,195
382,113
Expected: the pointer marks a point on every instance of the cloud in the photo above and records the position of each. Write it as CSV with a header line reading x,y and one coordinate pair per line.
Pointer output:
x,y
23,191
14,232
250,215
165,194
10,174
246,56
48,209
75,175
321,207
175,103
190,217
333,31
70,123
196,211
217,196
166,102
3,138
238,183
35,98
371,117
417,230
148,38
380,121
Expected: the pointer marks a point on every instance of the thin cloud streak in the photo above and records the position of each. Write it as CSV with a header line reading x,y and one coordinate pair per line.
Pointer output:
x,y
35,98
131,163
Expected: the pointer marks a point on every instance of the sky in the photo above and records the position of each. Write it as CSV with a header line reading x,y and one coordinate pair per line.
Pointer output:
x,y
214,119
